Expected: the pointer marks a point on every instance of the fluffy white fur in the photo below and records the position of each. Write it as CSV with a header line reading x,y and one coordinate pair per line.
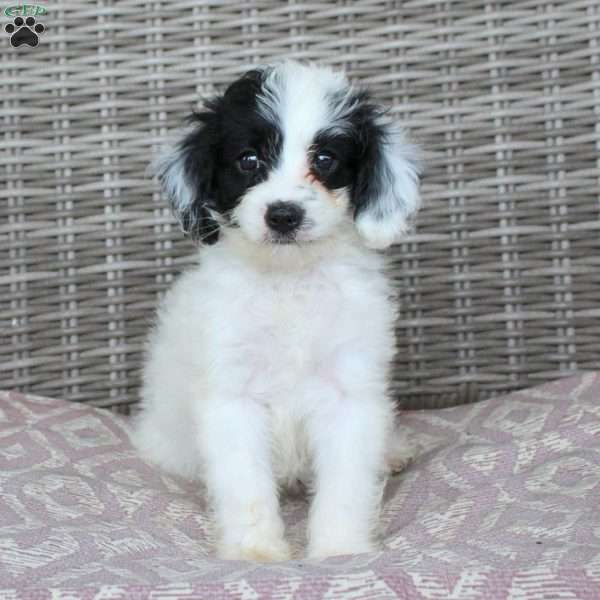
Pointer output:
x,y
269,363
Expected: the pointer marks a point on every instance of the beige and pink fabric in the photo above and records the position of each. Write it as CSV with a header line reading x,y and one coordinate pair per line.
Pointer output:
x,y
501,503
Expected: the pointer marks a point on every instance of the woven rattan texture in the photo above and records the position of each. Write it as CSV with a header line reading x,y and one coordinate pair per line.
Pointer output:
x,y
500,284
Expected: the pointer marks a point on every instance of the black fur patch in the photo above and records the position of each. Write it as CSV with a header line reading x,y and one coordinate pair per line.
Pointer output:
x,y
356,142
228,126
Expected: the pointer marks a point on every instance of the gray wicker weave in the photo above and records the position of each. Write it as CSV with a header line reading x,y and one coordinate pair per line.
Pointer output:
x,y
500,284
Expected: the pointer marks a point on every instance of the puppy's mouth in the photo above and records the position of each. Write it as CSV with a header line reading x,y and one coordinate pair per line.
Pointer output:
x,y
299,236
282,239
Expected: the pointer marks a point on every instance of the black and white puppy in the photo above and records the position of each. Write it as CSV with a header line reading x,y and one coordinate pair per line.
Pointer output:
x,y
269,362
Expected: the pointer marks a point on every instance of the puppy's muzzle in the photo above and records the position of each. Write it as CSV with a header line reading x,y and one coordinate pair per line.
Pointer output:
x,y
284,217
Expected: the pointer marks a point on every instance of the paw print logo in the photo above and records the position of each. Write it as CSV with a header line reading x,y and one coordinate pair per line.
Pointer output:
x,y
24,31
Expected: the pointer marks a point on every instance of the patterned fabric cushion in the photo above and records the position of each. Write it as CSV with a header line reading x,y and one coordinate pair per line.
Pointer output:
x,y
503,502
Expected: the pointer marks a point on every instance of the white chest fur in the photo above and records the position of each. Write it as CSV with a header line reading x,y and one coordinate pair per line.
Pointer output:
x,y
274,331
296,340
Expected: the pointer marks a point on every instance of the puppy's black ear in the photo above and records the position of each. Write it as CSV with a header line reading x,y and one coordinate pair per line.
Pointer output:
x,y
386,191
186,172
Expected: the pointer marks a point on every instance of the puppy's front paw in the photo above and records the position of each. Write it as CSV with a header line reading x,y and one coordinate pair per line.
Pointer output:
x,y
256,543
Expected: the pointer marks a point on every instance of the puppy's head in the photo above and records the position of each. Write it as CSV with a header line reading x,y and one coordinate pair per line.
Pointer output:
x,y
292,154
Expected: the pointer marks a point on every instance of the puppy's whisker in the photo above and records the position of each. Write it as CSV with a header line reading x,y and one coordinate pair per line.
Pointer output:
x,y
203,237
228,214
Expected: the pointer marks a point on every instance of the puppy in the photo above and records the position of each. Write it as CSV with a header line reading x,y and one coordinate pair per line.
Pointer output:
x,y
269,361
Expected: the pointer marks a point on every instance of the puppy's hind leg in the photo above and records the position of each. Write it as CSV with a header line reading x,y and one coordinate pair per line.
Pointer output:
x,y
401,451
171,449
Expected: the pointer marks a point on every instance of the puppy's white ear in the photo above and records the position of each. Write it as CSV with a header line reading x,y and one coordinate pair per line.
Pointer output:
x,y
185,171
387,190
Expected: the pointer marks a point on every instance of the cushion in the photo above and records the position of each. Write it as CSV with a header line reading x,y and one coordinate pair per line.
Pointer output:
x,y
501,502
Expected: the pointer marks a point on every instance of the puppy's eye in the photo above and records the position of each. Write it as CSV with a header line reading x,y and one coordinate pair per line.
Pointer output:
x,y
324,161
248,161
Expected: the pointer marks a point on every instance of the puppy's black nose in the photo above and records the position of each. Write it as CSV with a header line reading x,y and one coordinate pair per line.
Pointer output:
x,y
284,217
